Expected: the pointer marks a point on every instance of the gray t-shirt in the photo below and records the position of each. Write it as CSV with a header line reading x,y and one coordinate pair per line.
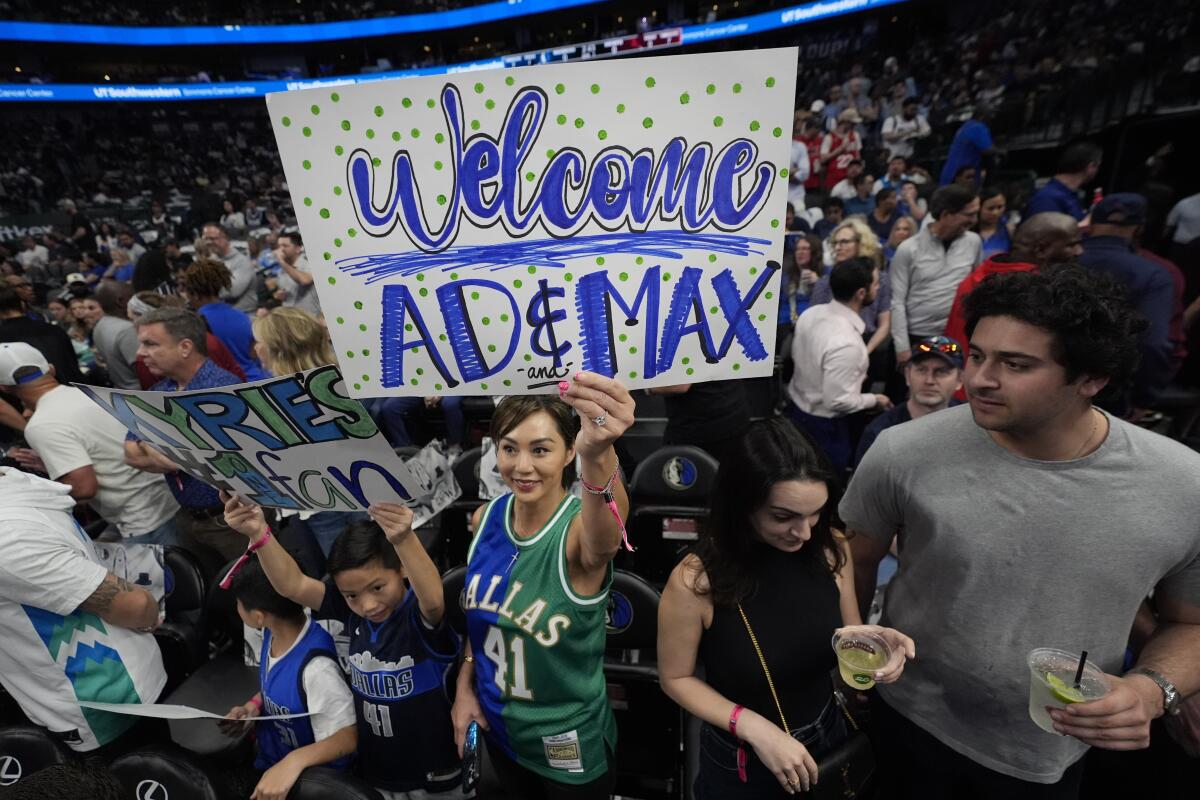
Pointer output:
x,y
116,341
302,297
1000,554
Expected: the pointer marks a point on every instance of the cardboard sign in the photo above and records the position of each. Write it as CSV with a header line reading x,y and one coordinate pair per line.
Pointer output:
x,y
494,232
297,442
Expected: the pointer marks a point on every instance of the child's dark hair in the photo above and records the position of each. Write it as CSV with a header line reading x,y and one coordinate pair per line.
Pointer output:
x,y
359,545
251,586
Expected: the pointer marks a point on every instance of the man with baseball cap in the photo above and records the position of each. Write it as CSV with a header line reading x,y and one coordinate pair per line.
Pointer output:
x,y
933,375
76,442
1110,250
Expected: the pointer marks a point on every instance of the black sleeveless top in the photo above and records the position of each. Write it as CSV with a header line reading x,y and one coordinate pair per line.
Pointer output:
x,y
793,611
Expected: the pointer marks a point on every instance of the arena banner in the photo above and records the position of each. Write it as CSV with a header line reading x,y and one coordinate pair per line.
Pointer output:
x,y
295,442
494,232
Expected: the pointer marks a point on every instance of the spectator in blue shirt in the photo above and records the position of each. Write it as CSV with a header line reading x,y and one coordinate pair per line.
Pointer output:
x,y
862,203
972,142
1115,223
995,229
171,342
1077,167
202,284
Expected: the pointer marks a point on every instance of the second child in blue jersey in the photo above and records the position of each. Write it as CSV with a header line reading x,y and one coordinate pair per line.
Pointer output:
x,y
400,646
298,674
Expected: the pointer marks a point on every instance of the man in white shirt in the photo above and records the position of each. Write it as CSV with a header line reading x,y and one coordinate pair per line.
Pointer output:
x,y
901,130
71,629
76,442
296,286
1183,221
34,258
830,359
845,189
799,169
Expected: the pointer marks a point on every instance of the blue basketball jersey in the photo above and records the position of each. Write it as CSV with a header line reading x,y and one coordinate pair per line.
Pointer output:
x,y
283,693
397,674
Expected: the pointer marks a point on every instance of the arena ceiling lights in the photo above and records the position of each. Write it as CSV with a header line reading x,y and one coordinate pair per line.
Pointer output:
x,y
655,40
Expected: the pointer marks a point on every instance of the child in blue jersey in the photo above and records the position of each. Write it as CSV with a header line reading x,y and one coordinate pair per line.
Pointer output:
x,y
298,673
400,646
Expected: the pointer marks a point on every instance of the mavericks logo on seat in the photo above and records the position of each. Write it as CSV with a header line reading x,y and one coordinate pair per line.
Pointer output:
x,y
679,473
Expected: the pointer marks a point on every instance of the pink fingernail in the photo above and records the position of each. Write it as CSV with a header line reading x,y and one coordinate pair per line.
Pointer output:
x,y
578,375
563,387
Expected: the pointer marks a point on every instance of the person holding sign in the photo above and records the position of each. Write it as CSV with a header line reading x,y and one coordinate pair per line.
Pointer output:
x,y
536,592
400,644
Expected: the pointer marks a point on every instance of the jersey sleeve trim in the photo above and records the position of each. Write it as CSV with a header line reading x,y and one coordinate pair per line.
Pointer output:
x,y
565,582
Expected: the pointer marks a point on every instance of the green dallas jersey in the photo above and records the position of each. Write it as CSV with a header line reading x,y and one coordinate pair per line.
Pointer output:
x,y
538,647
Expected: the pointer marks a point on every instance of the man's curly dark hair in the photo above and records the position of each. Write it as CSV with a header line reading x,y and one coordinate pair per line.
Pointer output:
x,y
1096,331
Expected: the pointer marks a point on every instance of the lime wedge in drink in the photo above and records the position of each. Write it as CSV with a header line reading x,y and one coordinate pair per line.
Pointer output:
x,y
1062,691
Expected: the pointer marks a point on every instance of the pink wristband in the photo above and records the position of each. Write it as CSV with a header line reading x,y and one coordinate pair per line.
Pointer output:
x,y
733,718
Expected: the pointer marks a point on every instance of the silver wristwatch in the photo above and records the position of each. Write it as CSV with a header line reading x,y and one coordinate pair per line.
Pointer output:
x,y
1170,693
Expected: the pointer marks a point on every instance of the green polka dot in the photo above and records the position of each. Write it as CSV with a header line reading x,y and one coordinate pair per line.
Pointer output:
x,y
620,108
420,278
370,133
379,111
376,162
568,277
633,351
429,103
358,304
559,88
487,320
478,88
647,122
761,317
601,135
324,212
491,349
441,199
736,367
600,260
332,280
714,311
718,121
442,337
337,190
437,165
561,119
754,125
754,270
504,317
306,164
335,97
633,375
507,382
337,242
531,270
578,122
711,88
474,124
685,98
639,260
595,88
349,354
550,152
408,327
339,149
437,386
490,104
666,277
362,328
517,283
774,223
413,349
341,320
345,124
307,131
453,276
770,82
712,258
783,173
528,357
287,122
413,381
686,360
415,133
624,276
358,386
474,295
351,232
777,132
439,138
689,370
308,201
484,385
406,102
623,337
420,371
327,255
649,83
530,176
508,81
366,351
737,88
770,295
423,292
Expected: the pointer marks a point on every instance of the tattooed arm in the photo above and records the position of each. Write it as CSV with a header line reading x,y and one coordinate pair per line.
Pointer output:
x,y
119,602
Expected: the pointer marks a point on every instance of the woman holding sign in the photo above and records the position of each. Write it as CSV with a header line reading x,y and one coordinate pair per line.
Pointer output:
x,y
536,591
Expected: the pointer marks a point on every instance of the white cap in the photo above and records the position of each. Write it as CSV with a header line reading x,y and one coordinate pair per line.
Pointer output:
x,y
817,106
15,356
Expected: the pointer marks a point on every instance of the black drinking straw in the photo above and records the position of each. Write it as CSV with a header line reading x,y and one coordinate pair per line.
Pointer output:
x,y
1079,671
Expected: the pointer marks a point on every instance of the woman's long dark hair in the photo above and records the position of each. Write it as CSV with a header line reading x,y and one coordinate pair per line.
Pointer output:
x,y
771,451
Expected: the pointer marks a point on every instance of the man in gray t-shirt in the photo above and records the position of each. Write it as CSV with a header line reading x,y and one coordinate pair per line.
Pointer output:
x,y
1029,519
296,286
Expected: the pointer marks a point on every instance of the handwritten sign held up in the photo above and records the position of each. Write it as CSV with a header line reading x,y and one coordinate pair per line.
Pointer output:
x,y
493,232
297,442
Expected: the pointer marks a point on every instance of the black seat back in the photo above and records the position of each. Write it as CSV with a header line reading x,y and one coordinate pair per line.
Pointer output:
x,y
466,472
321,783
631,621
24,750
188,589
167,772
453,582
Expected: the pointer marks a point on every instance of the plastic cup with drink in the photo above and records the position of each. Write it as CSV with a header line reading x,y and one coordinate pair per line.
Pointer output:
x,y
1058,679
860,655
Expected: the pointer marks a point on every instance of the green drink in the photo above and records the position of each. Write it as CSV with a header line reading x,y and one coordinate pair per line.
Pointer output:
x,y
860,655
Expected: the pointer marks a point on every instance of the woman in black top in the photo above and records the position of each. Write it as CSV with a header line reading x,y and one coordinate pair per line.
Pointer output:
x,y
769,549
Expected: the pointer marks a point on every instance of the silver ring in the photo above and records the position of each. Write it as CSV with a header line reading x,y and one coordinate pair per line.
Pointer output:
x,y
601,420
